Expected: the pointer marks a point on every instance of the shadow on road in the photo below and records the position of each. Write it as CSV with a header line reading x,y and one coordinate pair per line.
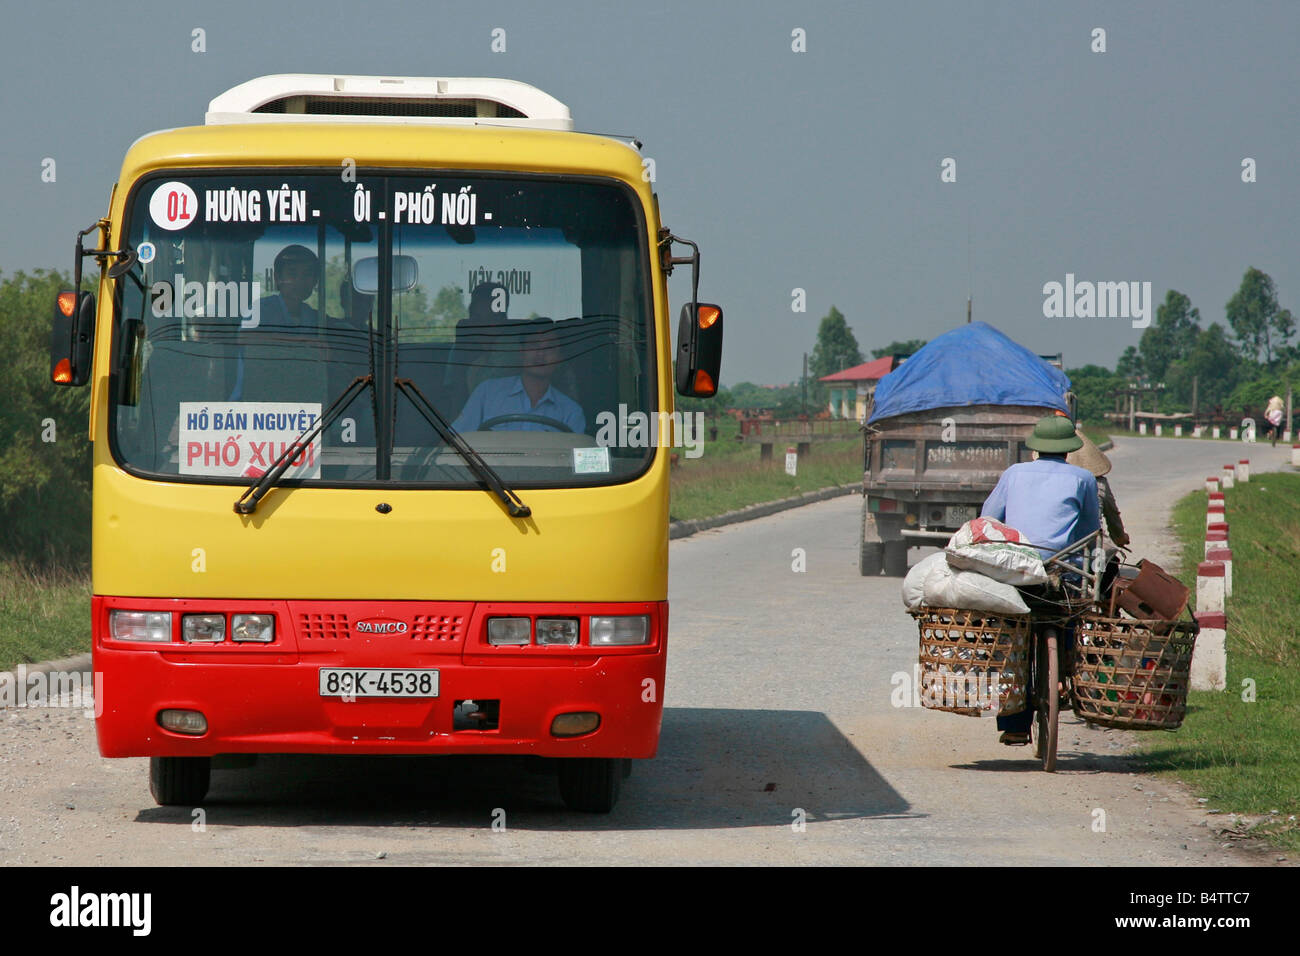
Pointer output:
x,y
716,768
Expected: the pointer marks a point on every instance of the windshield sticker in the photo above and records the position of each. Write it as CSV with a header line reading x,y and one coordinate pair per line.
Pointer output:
x,y
515,281
589,461
146,252
173,206
243,439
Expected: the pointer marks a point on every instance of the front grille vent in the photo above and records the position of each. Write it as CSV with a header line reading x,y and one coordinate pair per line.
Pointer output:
x,y
323,626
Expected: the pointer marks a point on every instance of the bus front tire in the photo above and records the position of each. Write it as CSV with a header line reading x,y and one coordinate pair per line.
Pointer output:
x,y
179,781
592,784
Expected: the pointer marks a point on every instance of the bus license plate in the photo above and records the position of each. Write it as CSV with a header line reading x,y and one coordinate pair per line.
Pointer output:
x,y
374,682
958,515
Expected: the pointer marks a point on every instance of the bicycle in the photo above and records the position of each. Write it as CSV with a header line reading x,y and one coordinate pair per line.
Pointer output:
x,y
1071,591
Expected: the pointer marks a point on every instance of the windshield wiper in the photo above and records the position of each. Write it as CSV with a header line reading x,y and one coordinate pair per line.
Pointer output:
x,y
248,501
452,437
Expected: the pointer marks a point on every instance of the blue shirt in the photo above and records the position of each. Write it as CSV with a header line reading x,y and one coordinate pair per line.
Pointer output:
x,y
1050,502
506,396
274,313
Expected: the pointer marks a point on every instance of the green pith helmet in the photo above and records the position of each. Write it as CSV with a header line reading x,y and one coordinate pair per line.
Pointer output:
x,y
1055,433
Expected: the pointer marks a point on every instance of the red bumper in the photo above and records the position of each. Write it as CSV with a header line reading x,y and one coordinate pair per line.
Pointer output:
x,y
265,698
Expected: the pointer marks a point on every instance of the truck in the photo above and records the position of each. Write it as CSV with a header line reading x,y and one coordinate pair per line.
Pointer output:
x,y
943,427
363,351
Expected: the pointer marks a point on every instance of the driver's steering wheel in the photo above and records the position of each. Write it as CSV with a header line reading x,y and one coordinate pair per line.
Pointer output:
x,y
524,417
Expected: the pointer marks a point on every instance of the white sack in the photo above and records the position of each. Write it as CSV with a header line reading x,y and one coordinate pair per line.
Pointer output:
x,y
945,586
1002,561
914,583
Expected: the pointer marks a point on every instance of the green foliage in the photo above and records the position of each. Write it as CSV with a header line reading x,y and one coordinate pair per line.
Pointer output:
x,y
1171,336
711,407
44,451
421,320
1216,366
836,348
747,395
904,349
1130,364
1094,387
1260,325
1252,395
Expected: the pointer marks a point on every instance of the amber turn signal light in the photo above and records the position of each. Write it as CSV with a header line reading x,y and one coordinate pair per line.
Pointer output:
x,y
704,383
67,303
63,371
707,315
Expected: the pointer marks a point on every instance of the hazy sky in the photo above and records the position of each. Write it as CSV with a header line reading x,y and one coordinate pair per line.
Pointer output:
x,y
817,170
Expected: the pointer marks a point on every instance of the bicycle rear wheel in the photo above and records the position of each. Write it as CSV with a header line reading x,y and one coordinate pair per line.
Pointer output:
x,y
1047,674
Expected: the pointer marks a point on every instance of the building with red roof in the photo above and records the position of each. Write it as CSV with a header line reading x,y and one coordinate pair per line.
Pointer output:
x,y
851,390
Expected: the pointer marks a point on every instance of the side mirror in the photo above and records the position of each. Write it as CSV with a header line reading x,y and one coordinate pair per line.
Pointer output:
x,y
699,350
72,338
365,274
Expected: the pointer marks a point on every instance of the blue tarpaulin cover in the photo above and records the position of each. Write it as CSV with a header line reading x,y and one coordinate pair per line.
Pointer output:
x,y
973,364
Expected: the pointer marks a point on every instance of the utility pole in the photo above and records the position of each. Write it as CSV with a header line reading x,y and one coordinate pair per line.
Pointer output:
x,y
804,400
1196,380
968,298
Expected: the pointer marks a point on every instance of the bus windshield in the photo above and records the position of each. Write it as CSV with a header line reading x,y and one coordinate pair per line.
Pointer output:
x,y
519,307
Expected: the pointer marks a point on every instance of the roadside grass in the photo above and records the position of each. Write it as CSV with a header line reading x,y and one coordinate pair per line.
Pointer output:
x,y
735,477
1098,436
1242,754
45,614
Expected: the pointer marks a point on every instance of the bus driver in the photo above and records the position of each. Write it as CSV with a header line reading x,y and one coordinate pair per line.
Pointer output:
x,y
528,393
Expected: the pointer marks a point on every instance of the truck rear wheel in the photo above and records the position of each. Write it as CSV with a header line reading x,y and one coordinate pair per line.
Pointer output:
x,y
179,781
592,784
896,559
870,557
869,552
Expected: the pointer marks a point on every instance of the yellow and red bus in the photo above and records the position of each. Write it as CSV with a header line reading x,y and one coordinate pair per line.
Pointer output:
x,y
382,372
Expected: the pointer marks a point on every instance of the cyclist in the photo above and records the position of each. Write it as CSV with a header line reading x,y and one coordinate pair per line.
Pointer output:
x,y
1053,504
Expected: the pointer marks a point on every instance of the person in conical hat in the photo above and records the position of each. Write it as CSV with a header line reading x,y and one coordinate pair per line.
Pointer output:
x,y
1273,415
1095,460
1053,504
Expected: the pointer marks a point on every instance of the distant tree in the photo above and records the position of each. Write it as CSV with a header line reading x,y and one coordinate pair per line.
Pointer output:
x,y
44,453
449,305
1171,336
836,348
1093,388
1215,366
910,347
1259,324
1130,364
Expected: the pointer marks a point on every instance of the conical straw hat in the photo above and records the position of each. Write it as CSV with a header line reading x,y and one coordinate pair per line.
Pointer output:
x,y
1090,457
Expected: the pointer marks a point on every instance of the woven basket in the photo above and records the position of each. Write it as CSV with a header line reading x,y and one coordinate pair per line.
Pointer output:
x,y
1132,673
973,663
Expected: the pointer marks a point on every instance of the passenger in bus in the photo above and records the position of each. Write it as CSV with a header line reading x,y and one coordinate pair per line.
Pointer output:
x,y
476,350
296,269
528,393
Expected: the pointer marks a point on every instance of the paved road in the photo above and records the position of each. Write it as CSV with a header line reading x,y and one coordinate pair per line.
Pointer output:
x,y
778,711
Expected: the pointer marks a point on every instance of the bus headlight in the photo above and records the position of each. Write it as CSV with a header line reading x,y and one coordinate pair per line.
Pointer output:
x,y
253,627
630,629
203,628
509,631
562,631
140,625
